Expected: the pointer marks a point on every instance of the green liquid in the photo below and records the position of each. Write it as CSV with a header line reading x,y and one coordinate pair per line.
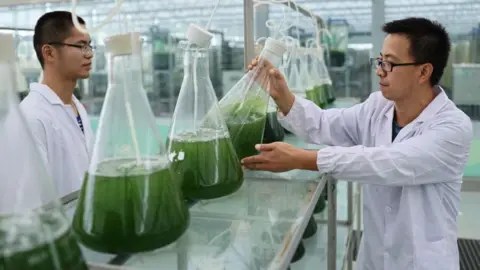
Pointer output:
x,y
207,167
321,92
299,252
330,94
39,242
311,228
313,96
129,210
273,129
320,205
246,133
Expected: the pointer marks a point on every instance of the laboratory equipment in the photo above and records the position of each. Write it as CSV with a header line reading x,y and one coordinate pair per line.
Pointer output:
x,y
311,228
274,131
35,233
306,77
323,83
337,40
295,83
199,145
129,200
245,105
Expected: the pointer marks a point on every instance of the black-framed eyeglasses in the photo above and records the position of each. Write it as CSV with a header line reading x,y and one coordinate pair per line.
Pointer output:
x,y
388,66
86,48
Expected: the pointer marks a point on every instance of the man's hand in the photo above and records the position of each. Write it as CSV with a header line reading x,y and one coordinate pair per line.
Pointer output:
x,y
281,157
274,81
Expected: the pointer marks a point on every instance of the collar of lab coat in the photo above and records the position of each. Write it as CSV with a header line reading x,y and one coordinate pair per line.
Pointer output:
x,y
49,94
430,111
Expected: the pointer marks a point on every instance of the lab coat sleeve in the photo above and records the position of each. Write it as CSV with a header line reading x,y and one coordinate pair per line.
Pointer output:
x,y
440,151
339,127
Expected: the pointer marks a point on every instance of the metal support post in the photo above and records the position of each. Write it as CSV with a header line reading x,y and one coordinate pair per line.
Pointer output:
x,y
359,214
248,24
332,225
304,12
350,222
378,19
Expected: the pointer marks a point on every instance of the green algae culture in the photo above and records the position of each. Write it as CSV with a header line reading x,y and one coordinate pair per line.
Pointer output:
x,y
321,93
130,206
246,124
274,131
313,95
331,97
39,240
205,164
311,228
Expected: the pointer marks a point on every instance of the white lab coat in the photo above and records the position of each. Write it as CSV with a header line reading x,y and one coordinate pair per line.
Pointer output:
x,y
60,140
411,186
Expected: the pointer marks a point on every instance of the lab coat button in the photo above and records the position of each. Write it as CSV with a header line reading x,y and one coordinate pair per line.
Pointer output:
x,y
388,209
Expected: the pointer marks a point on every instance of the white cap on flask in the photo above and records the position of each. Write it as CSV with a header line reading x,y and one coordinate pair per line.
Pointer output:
x,y
123,44
199,36
7,48
275,46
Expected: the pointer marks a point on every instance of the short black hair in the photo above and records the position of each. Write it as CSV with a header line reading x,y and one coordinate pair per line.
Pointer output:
x,y
55,26
429,42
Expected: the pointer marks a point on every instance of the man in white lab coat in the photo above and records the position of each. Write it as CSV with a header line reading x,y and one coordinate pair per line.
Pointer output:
x,y
59,122
408,144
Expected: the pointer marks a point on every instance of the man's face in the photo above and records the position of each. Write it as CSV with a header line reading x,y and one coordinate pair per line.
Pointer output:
x,y
75,62
397,83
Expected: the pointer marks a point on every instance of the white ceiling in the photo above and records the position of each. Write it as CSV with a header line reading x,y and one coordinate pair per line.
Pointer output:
x,y
459,16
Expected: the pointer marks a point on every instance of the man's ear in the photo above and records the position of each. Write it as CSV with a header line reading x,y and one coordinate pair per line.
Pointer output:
x,y
49,53
426,71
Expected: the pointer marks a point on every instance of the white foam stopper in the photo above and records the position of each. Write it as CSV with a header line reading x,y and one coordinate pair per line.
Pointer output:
x,y
7,48
275,46
199,36
123,44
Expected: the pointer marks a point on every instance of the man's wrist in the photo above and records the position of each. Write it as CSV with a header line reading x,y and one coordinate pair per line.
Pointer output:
x,y
287,104
308,160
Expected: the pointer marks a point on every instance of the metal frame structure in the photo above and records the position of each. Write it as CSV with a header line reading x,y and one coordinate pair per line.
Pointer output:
x,y
459,16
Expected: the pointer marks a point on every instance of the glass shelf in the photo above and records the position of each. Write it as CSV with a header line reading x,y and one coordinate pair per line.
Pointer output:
x,y
257,227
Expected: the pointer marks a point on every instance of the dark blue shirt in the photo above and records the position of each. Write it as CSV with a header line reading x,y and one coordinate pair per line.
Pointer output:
x,y
80,123
395,128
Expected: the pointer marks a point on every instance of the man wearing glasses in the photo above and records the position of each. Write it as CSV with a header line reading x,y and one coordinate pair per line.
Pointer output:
x,y
408,144
58,121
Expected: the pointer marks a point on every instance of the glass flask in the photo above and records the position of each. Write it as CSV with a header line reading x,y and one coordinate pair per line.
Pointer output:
x,y
323,81
313,69
274,131
129,200
35,232
294,81
199,145
305,76
245,105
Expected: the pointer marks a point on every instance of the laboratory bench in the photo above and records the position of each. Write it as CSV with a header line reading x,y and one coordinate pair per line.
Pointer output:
x,y
260,226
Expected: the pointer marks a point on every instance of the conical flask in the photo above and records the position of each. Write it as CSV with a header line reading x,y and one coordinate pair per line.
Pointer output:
x,y
306,78
129,200
313,69
274,131
35,233
199,145
294,81
324,82
244,107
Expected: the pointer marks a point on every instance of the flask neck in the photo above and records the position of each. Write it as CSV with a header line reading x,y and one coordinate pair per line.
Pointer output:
x,y
124,69
196,60
273,58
